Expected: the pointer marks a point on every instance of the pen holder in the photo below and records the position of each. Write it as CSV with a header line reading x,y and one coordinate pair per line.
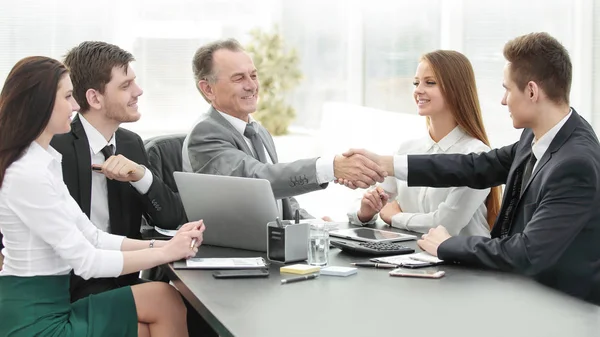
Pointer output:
x,y
287,242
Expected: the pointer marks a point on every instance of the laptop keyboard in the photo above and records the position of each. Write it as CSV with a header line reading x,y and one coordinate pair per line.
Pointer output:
x,y
382,246
372,248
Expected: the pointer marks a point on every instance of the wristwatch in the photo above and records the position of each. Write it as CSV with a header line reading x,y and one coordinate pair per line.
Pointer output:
x,y
151,245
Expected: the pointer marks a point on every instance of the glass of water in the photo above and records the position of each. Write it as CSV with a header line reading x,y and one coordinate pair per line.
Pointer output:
x,y
318,245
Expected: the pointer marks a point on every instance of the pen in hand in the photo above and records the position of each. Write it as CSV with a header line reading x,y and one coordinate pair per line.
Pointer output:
x,y
300,278
193,244
374,265
99,169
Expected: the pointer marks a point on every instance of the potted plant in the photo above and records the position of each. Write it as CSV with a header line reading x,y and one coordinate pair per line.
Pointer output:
x,y
278,72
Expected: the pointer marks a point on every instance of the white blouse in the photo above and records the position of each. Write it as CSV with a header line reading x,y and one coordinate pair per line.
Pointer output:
x,y
461,210
45,231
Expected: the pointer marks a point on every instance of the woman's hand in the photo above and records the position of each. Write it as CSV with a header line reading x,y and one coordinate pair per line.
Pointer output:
x,y
185,243
388,211
372,203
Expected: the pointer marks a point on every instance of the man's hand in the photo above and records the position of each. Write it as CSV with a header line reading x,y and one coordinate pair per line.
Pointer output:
x,y
433,239
385,162
372,203
121,169
388,211
327,219
358,169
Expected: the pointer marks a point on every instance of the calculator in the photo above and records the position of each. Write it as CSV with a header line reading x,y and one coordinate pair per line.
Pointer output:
x,y
372,248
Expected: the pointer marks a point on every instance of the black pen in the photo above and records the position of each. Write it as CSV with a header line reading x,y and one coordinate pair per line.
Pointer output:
x,y
297,217
374,265
300,278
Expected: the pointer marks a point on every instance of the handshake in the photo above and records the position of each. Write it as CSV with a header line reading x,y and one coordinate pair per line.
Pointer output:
x,y
358,168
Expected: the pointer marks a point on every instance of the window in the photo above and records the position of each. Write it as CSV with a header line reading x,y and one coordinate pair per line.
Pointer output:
x,y
395,38
487,27
317,30
596,71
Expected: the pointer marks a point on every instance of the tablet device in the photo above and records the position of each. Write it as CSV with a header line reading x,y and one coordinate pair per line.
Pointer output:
x,y
371,235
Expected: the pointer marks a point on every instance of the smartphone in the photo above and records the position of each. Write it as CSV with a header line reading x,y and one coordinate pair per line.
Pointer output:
x,y
414,264
417,273
241,273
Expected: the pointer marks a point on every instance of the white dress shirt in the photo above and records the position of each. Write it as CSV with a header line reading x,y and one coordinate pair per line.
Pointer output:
x,y
539,147
45,231
99,200
461,210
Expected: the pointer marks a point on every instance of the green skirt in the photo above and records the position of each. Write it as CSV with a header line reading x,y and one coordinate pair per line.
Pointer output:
x,y
40,306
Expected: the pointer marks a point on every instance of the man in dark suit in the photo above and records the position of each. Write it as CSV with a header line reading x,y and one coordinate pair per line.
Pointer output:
x,y
116,196
549,224
123,190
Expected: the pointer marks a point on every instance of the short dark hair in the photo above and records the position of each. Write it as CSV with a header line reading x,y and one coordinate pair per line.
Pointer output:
x,y
26,104
202,64
91,64
539,57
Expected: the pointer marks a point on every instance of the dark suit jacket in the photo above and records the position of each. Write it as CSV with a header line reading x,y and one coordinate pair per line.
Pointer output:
x,y
159,204
555,233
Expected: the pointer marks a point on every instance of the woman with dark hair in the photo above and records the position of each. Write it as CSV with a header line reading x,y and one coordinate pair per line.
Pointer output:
x,y
446,94
46,235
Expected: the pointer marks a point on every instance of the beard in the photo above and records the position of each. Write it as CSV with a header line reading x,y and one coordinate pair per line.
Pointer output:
x,y
121,113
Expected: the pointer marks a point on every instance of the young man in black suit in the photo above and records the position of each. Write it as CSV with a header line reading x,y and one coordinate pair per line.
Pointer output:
x,y
120,189
549,224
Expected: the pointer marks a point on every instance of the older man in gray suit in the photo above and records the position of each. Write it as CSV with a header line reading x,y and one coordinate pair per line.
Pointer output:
x,y
227,141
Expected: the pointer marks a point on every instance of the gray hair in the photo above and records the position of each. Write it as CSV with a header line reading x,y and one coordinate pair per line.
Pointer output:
x,y
202,64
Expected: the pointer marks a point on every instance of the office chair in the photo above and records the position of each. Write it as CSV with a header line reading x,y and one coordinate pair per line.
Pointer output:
x,y
164,156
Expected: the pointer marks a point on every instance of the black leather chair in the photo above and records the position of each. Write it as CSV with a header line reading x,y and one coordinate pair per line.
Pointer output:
x,y
164,154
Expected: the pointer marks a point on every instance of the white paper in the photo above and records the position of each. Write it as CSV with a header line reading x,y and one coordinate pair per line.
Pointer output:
x,y
167,232
408,258
212,263
425,257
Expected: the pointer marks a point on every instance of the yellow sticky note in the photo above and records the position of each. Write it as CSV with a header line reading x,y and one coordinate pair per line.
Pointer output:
x,y
299,269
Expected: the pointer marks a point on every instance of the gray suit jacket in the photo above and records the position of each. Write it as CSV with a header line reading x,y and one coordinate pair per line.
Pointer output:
x,y
214,146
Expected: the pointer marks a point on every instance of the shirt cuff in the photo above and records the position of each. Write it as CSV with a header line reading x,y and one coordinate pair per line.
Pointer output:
x,y
111,265
354,220
324,167
401,220
110,241
143,185
401,167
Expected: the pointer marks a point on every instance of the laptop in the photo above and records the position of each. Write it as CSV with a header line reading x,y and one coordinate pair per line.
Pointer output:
x,y
235,210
